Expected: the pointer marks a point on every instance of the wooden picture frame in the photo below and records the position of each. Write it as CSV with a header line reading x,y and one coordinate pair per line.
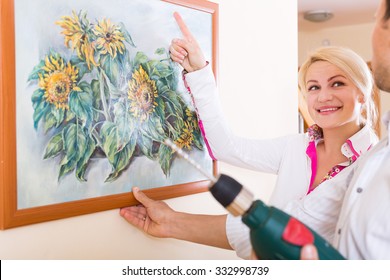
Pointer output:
x,y
11,214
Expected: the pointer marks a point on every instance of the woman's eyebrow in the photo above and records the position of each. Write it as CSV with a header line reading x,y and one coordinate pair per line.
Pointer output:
x,y
331,78
336,76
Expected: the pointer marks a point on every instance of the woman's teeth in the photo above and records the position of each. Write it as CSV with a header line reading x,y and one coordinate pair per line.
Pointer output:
x,y
328,110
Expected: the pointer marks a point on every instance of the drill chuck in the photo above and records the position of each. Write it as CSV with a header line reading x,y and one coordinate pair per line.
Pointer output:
x,y
232,195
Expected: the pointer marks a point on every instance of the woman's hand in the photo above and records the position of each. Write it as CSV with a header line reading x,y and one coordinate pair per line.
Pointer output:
x,y
153,217
186,51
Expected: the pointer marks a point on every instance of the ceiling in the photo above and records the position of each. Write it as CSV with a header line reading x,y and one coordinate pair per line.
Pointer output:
x,y
346,12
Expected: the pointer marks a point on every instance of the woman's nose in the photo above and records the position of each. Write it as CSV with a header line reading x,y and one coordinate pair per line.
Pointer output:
x,y
324,95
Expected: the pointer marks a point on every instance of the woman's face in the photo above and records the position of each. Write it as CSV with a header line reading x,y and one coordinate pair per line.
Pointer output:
x,y
333,100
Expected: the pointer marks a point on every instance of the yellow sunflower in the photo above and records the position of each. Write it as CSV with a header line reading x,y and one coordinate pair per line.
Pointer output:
x,y
58,80
186,137
76,32
110,39
142,94
192,121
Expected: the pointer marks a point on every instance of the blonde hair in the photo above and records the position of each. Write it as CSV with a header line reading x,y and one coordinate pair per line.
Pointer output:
x,y
356,70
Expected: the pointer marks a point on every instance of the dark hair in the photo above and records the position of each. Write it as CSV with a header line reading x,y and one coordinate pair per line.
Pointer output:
x,y
387,12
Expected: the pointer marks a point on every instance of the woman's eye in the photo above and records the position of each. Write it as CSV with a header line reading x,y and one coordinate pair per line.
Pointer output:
x,y
311,88
338,84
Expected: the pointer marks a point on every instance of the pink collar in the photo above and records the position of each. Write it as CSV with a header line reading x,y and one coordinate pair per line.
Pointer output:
x,y
357,144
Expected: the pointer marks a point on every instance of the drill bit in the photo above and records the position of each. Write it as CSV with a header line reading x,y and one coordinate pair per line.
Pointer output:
x,y
186,157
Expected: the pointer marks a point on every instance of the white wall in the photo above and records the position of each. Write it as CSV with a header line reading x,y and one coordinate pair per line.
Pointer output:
x,y
356,37
258,62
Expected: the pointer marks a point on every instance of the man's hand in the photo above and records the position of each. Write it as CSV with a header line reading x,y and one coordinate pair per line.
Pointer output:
x,y
151,216
309,252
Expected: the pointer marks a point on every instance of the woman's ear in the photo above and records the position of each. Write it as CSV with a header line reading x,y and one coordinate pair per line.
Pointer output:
x,y
361,99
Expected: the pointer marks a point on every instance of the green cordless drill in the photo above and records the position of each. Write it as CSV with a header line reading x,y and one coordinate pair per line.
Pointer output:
x,y
273,233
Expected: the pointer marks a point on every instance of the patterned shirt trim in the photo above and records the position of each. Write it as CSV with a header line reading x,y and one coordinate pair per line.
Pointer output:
x,y
315,136
200,123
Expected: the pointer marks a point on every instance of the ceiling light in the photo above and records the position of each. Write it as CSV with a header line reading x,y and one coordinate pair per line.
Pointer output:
x,y
318,15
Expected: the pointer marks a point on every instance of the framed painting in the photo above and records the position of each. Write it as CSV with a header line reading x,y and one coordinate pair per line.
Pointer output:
x,y
88,95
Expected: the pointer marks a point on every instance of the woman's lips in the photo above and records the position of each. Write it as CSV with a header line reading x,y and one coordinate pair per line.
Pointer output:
x,y
327,110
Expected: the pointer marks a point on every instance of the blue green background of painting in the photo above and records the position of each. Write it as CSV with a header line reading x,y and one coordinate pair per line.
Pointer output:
x,y
152,26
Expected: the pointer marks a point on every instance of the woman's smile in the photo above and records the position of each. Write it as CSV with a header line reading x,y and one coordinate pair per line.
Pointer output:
x,y
326,110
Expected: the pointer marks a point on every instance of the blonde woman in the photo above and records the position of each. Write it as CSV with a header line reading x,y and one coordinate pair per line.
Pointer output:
x,y
338,87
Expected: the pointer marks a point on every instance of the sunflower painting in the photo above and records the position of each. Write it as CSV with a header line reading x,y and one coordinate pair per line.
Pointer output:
x,y
103,95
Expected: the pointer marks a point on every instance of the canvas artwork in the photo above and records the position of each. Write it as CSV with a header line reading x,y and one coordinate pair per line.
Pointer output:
x,y
96,96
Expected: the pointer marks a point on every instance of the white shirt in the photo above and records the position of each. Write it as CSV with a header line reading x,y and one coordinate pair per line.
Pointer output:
x,y
285,156
361,219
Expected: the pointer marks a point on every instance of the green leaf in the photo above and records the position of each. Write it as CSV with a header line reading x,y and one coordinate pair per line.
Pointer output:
x,y
198,140
54,147
102,83
80,172
75,142
82,164
81,65
124,60
160,51
49,121
80,103
78,147
107,127
174,112
160,110
172,131
165,158
111,68
159,71
124,123
173,99
69,116
58,115
162,88
37,96
153,129
146,146
113,91
109,138
122,160
173,80
36,70
85,87
66,167
95,87
140,58
126,34
40,110
109,134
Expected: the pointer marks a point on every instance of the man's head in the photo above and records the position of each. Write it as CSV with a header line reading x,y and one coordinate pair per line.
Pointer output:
x,y
381,46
